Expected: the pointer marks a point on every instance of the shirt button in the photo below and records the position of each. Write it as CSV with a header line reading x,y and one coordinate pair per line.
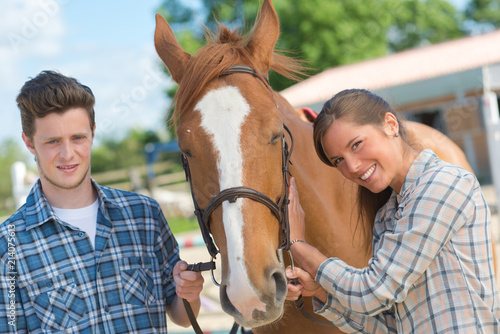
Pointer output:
x,y
81,234
49,285
140,261
106,309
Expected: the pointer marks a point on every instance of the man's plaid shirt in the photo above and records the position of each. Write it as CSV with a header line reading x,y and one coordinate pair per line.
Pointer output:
x,y
59,283
432,268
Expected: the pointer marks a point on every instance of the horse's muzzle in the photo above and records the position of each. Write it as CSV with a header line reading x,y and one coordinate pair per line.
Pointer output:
x,y
257,308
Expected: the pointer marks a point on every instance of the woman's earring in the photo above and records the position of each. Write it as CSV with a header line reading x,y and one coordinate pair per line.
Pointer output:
x,y
396,135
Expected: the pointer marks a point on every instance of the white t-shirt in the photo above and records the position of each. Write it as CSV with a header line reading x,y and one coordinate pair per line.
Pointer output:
x,y
83,218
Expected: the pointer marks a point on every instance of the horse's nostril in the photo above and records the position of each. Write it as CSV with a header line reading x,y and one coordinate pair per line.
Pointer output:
x,y
281,288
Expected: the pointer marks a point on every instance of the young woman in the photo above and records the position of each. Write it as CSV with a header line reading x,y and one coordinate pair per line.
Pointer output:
x,y
431,269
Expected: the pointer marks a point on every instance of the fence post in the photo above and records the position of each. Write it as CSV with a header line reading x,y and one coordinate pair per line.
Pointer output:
x,y
20,189
491,116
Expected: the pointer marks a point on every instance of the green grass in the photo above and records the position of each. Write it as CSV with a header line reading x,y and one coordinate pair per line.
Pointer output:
x,y
177,224
5,214
181,224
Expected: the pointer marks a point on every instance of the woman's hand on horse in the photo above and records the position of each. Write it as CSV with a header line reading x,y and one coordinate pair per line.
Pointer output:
x,y
188,283
296,213
306,285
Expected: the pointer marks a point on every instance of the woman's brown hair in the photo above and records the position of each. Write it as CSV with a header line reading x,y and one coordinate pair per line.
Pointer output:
x,y
361,107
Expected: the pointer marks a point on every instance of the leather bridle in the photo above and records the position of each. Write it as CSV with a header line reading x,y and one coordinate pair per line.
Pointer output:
x,y
279,209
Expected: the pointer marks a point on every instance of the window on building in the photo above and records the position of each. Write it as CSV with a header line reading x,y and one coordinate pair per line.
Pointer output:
x,y
498,104
431,118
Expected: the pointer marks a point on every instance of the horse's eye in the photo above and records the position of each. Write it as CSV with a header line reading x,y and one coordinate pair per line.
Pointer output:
x,y
276,138
187,153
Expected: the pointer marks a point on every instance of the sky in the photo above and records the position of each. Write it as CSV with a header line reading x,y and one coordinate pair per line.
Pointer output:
x,y
106,45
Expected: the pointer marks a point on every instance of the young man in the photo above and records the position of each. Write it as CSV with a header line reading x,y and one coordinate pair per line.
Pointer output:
x,y
79,257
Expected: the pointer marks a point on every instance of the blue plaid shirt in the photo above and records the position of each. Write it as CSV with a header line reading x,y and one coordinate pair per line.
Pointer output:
x,y
432,267
53,281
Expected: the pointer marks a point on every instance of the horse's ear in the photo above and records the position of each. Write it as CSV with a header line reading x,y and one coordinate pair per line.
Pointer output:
x,y
264,36
169,50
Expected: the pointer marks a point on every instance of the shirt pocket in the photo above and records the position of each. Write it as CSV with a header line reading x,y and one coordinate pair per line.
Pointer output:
x,y
137,275
57,302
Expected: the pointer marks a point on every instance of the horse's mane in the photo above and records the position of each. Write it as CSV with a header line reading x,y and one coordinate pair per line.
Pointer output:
x,y
223,50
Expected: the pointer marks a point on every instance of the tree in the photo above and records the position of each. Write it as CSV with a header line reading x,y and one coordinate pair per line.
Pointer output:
x,y
10,152
424,22
483,14
127,152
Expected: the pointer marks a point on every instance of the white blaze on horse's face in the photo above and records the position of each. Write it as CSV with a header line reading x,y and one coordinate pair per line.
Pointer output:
x,y
223,112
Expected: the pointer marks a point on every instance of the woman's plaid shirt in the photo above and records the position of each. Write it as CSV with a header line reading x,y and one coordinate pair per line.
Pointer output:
x,y
60,284
432,265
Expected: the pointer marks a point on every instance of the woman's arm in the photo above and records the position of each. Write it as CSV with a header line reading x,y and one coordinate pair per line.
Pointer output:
x,y
434,212
307,256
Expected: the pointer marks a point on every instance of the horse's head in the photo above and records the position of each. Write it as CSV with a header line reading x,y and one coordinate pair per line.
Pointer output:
x,y
230,128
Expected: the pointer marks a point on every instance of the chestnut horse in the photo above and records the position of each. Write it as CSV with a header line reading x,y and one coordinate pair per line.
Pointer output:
x,y
230,129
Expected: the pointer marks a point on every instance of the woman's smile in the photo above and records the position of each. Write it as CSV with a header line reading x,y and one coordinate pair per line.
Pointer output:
x,y
368,173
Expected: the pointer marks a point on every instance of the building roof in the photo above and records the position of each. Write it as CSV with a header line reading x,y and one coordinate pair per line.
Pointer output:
x,y
399,68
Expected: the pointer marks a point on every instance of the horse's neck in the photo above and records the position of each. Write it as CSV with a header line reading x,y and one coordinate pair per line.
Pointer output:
x,y
328,199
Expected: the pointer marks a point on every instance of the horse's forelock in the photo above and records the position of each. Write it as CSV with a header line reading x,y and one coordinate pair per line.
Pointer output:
x,y
228,36
224,49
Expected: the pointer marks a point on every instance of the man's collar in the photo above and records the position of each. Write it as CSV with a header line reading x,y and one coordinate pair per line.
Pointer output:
x,y
38,210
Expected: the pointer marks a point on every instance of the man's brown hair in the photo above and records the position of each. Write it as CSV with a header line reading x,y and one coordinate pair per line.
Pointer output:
x,y
51,92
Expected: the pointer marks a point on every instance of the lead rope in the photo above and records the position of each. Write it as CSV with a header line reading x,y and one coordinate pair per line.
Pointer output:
x,y
189,310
